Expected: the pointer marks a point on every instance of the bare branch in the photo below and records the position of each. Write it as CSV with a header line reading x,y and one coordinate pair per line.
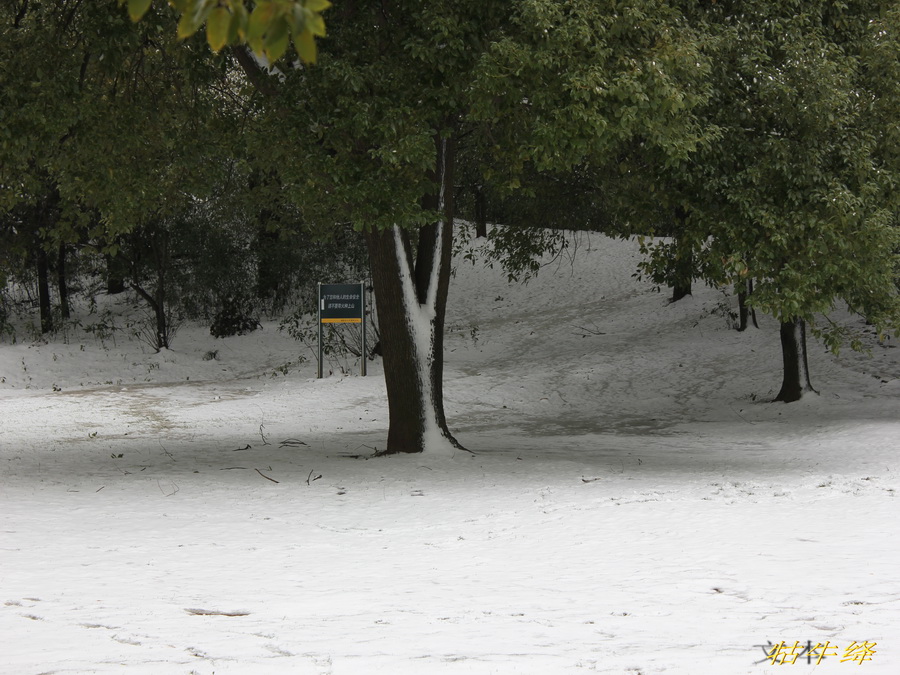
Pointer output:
x,y
265,476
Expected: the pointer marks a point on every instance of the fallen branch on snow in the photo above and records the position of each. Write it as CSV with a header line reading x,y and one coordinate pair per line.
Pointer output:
x,y
215,612
265,476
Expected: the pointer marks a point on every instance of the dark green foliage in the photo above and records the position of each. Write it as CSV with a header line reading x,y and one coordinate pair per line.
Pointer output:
x,y
234,318
798,189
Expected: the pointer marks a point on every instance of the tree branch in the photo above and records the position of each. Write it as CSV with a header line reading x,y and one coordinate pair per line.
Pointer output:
x,y
145,295
257,76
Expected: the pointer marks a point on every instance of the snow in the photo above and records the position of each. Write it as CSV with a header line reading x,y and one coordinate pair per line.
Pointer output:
x,y
634,504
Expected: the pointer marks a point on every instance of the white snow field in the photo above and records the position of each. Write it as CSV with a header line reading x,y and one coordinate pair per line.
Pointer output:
x,y
635,503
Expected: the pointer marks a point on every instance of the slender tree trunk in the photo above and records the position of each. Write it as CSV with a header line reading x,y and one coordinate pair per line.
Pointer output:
x,y
162,323
480,213
683,265
158,299
62,284
115,277
743,309
412,301
752,309
746,312
796,368
683,272
45,217
43,272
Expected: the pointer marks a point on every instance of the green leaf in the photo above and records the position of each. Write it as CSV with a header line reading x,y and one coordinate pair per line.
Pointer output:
x,y
317,5
137,8
316,25
305,44
277,40
260,21
186,26
237,31
217,28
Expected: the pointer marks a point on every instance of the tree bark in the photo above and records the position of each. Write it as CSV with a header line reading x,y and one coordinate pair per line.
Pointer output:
x,y
46,216
43,273
115,276
412,299
62,284
796,368
745,311
683,270
480,213
159,250
162,322
157,304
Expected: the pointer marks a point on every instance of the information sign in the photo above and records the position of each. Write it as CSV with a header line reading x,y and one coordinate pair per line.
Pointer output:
x,y
343,303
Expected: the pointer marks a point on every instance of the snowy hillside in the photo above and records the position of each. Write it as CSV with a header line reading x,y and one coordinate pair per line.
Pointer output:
x,y
635,503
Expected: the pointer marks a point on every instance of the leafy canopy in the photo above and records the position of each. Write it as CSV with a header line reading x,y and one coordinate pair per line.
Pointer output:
x,y
800,192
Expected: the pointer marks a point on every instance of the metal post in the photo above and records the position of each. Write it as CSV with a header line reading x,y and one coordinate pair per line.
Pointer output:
x,y
319,317
364,357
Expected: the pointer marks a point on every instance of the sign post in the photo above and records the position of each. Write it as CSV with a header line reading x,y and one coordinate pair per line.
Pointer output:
x,y
343,303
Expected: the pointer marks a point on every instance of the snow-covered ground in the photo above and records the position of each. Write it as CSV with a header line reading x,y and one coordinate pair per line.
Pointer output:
x,y
634,504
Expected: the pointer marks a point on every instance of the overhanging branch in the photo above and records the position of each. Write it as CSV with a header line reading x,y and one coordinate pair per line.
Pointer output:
x,y
257,76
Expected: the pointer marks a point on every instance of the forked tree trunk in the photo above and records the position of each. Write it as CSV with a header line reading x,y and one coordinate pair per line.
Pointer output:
x,y
157,303
412,301
158,300
796,368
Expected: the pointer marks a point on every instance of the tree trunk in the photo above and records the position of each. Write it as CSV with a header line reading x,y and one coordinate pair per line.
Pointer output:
x,y
796,368
162,323
480,213
412,300
43,273
115,276
157,304
161,260
61,283
683,270
743,309
746,312
159,246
